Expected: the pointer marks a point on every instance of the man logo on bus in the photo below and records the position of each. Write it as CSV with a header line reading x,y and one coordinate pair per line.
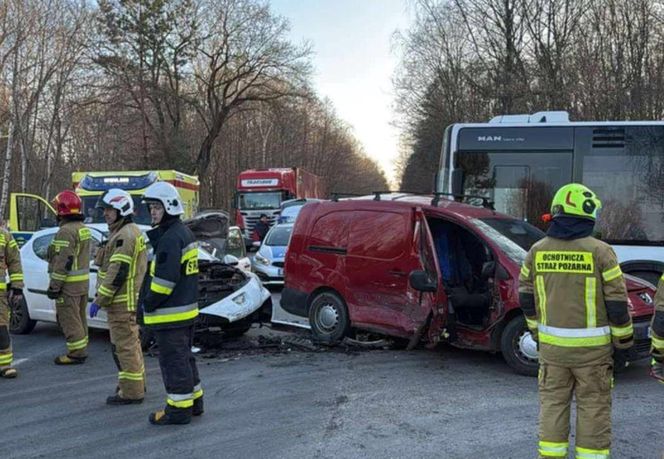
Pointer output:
x,y
489,138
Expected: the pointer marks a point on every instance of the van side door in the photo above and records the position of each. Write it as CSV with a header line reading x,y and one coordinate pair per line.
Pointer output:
x,y
431,303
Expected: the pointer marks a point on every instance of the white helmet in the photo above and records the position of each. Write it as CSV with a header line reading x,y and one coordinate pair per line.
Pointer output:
x,y
167,195
117,199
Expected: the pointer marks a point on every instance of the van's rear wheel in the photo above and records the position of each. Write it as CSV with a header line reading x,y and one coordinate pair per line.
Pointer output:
x,y
328,317
519,348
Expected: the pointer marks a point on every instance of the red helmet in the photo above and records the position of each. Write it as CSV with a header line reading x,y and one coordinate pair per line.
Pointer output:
x,y
67,203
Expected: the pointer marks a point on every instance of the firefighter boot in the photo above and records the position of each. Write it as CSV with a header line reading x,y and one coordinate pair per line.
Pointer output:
x,y
69,360
198,409
8,373
171,416
657,370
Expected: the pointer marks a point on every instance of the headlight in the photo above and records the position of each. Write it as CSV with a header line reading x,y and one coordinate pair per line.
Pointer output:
x,y
261,259
240,299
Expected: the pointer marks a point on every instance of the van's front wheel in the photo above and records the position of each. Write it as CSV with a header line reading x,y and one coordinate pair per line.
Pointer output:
x,y
328,317
519,348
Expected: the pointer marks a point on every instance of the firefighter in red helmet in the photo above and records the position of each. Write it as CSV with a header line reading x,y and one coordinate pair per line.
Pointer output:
x,y
69,273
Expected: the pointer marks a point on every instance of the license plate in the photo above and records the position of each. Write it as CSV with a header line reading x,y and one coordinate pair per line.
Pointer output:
x,y
641,332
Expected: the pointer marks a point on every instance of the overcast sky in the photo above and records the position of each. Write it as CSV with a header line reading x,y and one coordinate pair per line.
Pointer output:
x,y
354,63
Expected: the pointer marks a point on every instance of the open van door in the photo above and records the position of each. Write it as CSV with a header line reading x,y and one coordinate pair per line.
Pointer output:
x,y
432,296
29,213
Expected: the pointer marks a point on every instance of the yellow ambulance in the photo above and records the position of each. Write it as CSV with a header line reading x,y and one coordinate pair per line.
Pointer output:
x,y
29,213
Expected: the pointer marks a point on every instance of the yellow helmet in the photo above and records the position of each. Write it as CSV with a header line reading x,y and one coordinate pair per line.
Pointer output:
x,y
575,200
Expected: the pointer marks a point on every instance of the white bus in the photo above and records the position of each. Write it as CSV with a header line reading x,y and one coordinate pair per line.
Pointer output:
x,y
519,161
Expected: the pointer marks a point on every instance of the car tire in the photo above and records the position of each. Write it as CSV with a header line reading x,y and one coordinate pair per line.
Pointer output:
x,y
517,347
328,318
20,322
238,331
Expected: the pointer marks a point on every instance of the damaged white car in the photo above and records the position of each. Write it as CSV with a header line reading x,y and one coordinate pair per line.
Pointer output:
x,y
230,299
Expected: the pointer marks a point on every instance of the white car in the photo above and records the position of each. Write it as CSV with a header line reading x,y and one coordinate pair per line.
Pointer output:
x,y
269,261
229,298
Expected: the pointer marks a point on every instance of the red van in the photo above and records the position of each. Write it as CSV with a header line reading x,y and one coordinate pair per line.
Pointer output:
x,y
422,269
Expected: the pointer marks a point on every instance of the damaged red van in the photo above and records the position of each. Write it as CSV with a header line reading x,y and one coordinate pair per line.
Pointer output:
x,y
422,269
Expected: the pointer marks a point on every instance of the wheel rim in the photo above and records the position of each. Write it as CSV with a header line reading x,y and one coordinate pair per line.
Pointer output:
x,y
526,347
327,317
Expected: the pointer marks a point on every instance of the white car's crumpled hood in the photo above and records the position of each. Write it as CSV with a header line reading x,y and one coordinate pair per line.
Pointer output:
x,y
233,308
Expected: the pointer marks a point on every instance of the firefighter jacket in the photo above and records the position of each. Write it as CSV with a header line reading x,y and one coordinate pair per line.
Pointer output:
x,y
122,264
575,300
657,326
171,288
69,259
10,262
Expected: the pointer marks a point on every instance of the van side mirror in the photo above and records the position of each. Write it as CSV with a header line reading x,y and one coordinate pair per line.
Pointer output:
x,y
488,270
421,282
457,181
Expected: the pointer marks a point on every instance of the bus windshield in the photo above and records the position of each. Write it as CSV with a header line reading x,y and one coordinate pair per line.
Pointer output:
x,y
623,164
94,215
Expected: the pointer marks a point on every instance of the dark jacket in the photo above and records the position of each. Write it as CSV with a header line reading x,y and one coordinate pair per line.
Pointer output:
x,y
260,231
171,286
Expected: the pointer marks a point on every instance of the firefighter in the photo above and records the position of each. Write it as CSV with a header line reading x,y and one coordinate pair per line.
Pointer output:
x,y
574,298
170,304
123,262
657,333
10,262
69,273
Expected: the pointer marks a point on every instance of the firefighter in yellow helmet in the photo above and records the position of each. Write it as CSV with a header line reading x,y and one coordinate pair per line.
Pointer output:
x,y
657,333
573,294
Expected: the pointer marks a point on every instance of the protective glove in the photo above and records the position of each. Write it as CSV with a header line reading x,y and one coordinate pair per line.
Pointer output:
x,y
94,310
657,370
53,294
17,293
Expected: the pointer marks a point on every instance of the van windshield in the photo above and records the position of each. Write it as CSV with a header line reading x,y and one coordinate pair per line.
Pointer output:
x,y
514,237
93,215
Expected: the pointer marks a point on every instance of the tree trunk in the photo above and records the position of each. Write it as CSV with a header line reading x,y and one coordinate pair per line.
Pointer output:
x,y
6,175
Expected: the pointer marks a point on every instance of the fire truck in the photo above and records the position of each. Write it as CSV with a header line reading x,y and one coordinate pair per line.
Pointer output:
x,y
261,191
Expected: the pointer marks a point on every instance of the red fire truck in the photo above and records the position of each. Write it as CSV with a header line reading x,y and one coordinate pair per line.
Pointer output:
x,y
261,191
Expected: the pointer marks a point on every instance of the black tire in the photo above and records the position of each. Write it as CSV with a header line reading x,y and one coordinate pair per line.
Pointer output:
x,y
238,331
147,338
516,348
328,317
20,322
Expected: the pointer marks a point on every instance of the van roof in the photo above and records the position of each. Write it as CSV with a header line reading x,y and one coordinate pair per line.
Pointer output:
x,y
406,200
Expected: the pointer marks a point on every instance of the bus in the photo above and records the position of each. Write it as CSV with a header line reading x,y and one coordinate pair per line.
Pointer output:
x,y
519,161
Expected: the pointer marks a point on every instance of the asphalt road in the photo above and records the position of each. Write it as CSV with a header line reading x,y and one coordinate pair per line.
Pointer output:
x,y
273,403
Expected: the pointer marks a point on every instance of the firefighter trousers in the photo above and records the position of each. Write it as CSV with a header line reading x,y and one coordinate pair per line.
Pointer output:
x,y
6,355
591,385
70,312
178,370
127,353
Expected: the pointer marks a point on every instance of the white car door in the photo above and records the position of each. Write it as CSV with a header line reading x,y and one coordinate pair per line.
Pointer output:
x,y
35,269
